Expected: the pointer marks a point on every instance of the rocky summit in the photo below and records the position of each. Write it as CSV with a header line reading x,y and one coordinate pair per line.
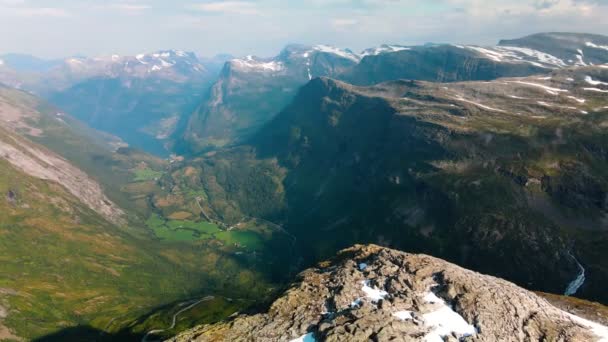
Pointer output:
x,y
370,293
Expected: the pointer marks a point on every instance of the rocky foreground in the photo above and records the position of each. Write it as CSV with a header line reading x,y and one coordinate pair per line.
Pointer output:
x,y
370,293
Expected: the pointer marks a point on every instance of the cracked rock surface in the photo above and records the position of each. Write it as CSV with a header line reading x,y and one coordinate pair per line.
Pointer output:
x,y
370,293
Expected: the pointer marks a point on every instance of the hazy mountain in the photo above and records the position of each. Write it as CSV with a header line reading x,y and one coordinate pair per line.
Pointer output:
x,y
373,293
143,99
250,91
28,63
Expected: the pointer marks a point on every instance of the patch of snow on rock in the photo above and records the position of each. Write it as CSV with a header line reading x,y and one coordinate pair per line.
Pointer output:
x,y
362,266
444,321
491,54
356,303
383,49
591,81
577,99
596,90
550,90
403,315
250,63
339,52
541,57
460,98
373,293
601,331
591,45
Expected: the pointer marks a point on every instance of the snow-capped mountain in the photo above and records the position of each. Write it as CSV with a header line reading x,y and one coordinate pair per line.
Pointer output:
x,y
176,64
549,50
140,98
385,48
229,116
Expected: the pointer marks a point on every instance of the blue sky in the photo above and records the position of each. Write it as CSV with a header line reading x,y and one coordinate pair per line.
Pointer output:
x,y
56,28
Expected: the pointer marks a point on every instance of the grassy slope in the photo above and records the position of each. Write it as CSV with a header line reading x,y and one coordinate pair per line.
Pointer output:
x,y
71,268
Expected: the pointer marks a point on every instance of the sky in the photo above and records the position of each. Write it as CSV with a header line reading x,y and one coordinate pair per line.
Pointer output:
x,y
60,28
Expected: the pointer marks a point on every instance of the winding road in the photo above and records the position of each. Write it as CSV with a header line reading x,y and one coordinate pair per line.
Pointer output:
x,y
174,322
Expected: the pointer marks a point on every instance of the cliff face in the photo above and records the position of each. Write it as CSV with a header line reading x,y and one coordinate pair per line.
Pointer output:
x,y
373,293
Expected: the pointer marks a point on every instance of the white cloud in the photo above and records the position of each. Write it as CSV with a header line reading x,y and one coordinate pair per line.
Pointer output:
x,y
230,7
343,23
20,8
36,12
129,7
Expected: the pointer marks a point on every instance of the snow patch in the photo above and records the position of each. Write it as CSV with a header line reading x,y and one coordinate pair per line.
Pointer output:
x,y
444,321
541,57
432,298
542,103
591,45
577,99
580,60
356,303
513,54
591,81
491,54
383,49
362,266
596,90
250,63
403,315
460,98
310,337
373,293
166,64
338,52
550,90
601,331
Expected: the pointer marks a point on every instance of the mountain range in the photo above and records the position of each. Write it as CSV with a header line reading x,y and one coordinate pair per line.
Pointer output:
x,y
143,195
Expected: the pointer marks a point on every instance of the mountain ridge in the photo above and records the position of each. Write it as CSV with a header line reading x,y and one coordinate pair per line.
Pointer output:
x,y
370,292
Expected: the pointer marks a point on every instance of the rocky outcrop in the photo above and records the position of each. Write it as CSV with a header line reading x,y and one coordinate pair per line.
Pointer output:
x,y
378,294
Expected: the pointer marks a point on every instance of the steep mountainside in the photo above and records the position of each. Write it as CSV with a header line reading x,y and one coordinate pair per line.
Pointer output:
x,y
372,293
251,91
505,177
86,254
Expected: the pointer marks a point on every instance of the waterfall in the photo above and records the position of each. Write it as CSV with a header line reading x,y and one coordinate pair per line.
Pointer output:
x,y
576,284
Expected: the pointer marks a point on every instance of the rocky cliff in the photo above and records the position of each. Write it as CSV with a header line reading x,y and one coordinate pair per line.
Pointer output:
x,y
370,293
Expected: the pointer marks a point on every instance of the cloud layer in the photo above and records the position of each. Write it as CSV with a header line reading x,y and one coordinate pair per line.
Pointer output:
x,y
56,28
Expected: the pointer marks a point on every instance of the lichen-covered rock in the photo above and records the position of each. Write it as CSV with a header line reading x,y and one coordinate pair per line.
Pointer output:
x,y
370,293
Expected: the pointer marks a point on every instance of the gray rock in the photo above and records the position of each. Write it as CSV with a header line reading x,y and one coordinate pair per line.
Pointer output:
x,y
323,303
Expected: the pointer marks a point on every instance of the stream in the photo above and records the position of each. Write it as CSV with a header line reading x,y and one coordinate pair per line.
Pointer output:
x,y
576,284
